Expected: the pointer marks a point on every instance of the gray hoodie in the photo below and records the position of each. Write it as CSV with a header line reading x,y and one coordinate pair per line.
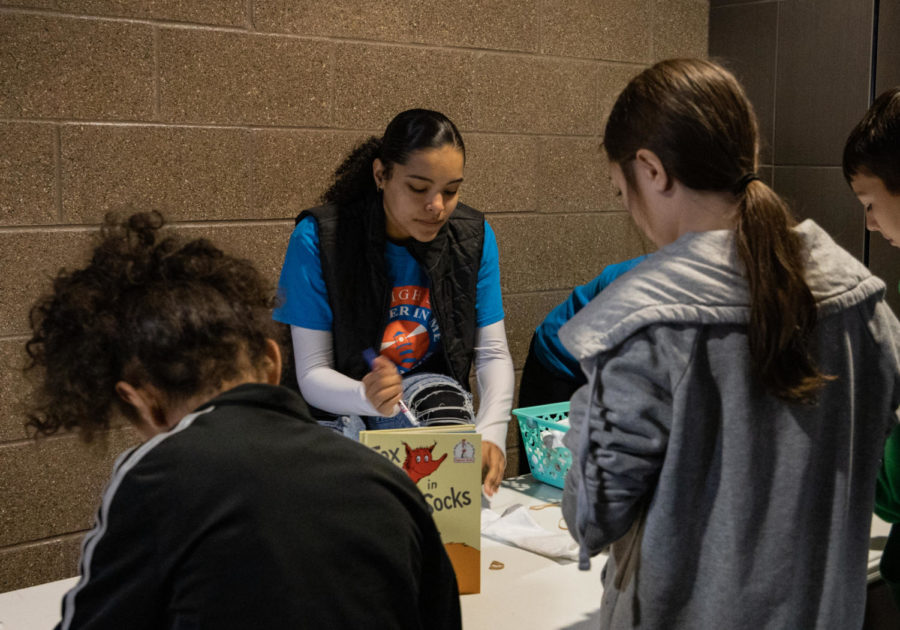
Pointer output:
x,y
728,507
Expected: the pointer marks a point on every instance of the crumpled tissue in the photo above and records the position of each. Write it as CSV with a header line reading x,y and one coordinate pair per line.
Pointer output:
x,y
517,527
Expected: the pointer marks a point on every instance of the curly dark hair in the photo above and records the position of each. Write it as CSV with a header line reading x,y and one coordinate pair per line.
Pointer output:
x,y
146,310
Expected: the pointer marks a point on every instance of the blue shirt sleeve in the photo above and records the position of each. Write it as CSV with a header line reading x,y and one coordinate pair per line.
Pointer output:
x,y
302,295
547,346
488,298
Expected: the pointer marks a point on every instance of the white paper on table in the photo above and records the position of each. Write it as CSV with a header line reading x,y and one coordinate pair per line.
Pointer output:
x,y
517,527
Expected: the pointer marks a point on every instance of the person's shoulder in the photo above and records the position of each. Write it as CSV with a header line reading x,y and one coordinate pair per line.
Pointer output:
x,y
313,223
318,214
187,438
466,213
307,227
466,225
229,428
155,462
613,271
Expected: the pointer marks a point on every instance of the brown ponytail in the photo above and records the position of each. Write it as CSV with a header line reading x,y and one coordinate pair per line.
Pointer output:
x,y
782,308
694,115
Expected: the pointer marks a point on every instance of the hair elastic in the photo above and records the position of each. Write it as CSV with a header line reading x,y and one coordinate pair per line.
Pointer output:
x,y
741,185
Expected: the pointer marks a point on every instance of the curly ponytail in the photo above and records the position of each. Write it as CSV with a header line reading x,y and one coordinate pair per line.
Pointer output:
x,y
353,178
694,115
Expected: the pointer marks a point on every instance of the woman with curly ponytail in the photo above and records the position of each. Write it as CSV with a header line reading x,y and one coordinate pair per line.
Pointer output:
x,y
394,262
741,381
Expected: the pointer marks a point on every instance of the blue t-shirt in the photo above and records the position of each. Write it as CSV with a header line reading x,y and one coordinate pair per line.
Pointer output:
x,y
412,334
547,346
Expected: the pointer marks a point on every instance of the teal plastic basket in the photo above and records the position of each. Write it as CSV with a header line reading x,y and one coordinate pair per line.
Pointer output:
x,y
548,465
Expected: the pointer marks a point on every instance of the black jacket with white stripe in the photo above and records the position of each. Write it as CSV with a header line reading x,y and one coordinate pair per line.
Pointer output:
x,y
248,514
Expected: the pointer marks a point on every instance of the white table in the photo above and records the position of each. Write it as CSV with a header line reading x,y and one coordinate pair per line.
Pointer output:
x,y
535,592
34,608
530,592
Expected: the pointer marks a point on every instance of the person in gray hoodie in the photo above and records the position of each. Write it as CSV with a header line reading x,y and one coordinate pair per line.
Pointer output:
x,y
741,383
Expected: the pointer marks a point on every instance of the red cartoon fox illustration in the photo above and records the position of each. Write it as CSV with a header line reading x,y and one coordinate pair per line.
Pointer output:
x,y
419,462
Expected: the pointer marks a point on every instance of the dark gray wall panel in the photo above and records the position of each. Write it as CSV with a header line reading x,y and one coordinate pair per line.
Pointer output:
x,y
725,3
822,194
887,70
743,38
824,49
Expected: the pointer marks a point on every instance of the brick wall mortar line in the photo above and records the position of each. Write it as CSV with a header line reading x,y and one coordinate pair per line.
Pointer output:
x,y
118,18
89,227
63,435
159,124
315,38
41,541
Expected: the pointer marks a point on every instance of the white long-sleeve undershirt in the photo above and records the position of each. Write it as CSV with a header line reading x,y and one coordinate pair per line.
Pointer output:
x,y
324,387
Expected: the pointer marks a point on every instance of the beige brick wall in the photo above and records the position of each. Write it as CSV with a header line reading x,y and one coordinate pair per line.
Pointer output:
x,y
229,116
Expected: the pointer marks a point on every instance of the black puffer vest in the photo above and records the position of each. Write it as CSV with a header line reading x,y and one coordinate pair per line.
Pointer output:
x,y
351,248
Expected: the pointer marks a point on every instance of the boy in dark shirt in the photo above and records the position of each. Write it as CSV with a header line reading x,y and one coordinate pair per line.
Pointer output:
x,y
872,168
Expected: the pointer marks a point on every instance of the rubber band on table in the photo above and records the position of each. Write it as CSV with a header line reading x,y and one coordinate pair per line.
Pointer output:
x,y
544,506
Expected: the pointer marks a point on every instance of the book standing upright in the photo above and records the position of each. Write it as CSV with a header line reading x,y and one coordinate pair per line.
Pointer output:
x,y
445,464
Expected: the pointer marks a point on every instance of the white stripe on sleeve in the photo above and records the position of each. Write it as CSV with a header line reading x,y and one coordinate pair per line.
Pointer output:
x,y
125,462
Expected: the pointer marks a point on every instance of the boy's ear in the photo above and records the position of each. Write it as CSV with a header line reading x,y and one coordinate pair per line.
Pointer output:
x,y
149,417
272,362
648,165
